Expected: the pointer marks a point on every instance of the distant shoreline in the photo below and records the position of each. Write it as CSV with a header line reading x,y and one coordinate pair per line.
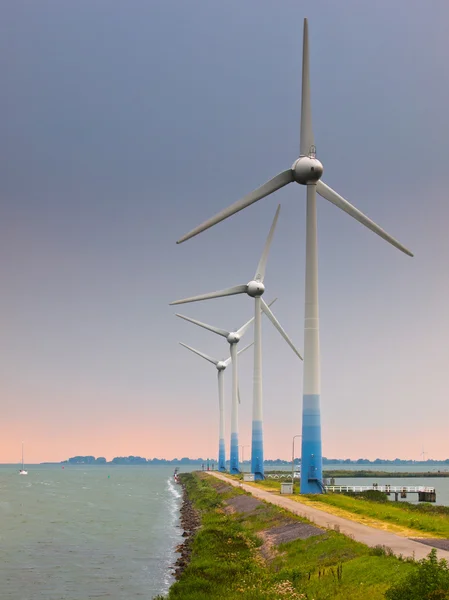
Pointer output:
x,y
209,463
343,465
383,474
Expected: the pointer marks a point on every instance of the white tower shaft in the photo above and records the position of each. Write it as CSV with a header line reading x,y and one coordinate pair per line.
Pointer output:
x,y
311,454
234,454
257,431
221,424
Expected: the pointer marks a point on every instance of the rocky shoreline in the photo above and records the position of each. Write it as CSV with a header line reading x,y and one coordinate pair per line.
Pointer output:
x,y
190,523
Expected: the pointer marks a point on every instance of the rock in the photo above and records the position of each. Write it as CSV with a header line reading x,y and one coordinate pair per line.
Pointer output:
x,y
190,523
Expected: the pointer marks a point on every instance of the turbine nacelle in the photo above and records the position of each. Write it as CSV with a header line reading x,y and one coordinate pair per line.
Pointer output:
x,y
307,169
221,365
233,338
255,289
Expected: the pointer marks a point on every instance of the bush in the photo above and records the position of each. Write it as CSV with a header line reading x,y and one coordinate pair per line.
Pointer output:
x,y
380,550
372,495
429,581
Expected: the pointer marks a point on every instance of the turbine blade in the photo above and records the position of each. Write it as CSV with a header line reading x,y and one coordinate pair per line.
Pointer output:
x,y
244,327
238,289
209,358
278,326
331,195
245,348
208,327
260,273
238,394
306,137
267,188
227,362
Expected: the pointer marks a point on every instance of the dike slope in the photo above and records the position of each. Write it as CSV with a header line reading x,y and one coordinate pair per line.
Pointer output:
x,y
361,533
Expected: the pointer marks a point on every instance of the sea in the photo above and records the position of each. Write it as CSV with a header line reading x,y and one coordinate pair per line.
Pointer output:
x,y
104,531
83,532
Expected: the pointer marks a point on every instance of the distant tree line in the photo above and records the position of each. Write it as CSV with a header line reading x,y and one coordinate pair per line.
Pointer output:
x,y
139,460
133,460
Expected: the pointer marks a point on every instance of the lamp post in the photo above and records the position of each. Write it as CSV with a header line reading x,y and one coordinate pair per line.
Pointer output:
x,y
293,459
243,453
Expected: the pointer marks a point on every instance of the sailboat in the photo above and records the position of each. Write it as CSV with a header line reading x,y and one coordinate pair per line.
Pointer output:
x,y
22,470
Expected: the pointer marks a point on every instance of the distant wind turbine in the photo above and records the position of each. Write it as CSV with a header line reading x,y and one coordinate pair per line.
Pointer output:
x,y
306,170
220,366
233,337
255,288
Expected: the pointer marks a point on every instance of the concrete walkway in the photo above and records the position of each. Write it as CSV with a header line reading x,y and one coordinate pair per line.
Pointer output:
x,y
361,533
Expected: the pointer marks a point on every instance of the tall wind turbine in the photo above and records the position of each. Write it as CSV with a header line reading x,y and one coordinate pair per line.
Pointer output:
x,y
221,366
255,288
306,170
233,337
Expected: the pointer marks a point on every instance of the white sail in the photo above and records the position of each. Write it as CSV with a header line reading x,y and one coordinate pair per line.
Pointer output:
x,y
22,470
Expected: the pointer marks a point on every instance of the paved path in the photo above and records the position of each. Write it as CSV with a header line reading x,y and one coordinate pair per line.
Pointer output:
x,y
361,533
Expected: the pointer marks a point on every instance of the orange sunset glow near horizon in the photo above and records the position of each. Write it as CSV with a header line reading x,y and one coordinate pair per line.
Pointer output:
x,y
111,440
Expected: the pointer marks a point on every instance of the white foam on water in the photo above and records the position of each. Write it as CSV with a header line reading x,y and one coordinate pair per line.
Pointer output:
x,y
176,493
175,535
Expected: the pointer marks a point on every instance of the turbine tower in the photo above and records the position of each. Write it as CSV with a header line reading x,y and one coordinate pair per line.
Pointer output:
x,y
233,337
306,170
221,366
255,288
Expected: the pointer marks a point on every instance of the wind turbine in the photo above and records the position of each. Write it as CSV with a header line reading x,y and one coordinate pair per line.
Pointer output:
x,y
233,337
306,170
255,288
221,366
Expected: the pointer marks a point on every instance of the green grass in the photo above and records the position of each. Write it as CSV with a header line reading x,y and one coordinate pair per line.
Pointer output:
x,y
429,581
423,517
226,562
426,518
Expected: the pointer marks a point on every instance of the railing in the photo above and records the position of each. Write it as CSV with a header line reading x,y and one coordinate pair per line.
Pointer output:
x,y
380,488
287,475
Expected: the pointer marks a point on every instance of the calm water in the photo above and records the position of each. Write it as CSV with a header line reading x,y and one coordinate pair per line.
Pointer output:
x,y
87,532
441,484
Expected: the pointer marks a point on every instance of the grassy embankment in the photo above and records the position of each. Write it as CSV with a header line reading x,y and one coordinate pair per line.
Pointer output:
x,y
403,518
230,559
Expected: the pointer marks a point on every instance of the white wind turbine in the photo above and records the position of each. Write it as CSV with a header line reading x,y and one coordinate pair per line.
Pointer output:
x,y
233,337
220,366
306,170
255,288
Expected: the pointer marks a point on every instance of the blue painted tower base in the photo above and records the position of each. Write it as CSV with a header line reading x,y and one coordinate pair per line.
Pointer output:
x,y
257,451
221,456
311,452
234,462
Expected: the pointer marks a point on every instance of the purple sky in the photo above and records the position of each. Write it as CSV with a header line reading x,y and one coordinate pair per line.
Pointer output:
x,y
124,125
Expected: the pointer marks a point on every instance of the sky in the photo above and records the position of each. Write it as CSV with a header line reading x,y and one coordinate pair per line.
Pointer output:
x,y
123,126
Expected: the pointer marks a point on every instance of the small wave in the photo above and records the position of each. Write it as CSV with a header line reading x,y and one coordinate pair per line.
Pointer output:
x,y
176,493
